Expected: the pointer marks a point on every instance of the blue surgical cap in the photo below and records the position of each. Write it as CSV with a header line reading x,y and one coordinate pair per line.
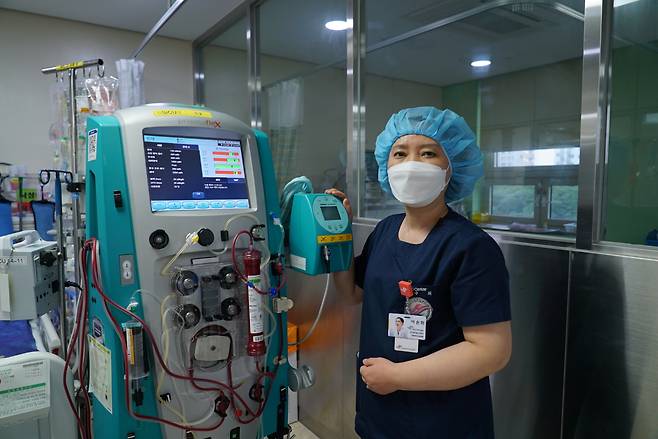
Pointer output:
x,y
446,128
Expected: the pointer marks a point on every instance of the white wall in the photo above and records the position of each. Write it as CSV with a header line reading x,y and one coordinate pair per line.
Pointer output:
x,y
29,42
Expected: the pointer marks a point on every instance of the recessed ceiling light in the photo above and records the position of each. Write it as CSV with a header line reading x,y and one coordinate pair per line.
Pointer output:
x,y
481,63
337,25
618,3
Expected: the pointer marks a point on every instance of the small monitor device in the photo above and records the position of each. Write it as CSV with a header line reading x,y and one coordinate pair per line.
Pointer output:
x,y
186,172
321,237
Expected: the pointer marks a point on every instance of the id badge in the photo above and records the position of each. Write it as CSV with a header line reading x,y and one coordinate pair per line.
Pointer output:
x,y
407,326
406,345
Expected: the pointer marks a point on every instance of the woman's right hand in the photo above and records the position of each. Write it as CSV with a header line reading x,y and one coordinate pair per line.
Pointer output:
x,y
346,201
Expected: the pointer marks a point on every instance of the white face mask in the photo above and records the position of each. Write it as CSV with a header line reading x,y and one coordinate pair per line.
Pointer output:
x,y
417,184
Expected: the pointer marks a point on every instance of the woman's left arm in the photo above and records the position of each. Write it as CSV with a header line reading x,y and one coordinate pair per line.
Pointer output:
x,y
485,350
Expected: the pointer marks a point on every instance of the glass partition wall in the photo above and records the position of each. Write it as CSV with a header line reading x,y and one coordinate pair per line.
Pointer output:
x,y
514,73
515,70
302,67
225,69
630,213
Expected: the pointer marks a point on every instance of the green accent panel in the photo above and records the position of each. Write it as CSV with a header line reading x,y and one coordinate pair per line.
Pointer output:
x,y
112,227
280,337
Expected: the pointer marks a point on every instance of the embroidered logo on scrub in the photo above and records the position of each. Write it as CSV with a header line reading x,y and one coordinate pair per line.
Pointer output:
x,y
420,307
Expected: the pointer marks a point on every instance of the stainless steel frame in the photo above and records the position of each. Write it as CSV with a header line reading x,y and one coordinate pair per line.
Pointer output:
x,y
199,77
594,120
356,38
253,51
206,39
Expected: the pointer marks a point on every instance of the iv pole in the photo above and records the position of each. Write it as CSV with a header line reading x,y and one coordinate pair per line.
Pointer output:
x,y
75,187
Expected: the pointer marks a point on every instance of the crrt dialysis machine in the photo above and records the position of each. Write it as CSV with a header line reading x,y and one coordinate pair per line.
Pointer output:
x,y
186,298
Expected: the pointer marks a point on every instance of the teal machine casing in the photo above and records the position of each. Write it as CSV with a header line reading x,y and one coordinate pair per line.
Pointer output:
x,y
118,218
321,234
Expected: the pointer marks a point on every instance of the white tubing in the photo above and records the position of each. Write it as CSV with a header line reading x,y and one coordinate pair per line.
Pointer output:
x,y
273,319
317,317
219,252
164,341
242,215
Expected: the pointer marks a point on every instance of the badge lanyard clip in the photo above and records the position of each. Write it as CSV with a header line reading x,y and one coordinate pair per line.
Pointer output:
x,y
406,291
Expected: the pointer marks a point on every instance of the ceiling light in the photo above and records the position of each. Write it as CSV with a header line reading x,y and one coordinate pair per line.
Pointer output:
x,y
337,25
619,3
481,63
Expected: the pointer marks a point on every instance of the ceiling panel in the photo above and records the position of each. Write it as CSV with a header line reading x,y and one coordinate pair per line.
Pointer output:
x,y
194,18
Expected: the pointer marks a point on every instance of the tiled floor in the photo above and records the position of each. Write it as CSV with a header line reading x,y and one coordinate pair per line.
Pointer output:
x,y
301,432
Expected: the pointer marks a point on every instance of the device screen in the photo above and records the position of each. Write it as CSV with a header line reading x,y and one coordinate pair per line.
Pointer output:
x,y
188,173
330,213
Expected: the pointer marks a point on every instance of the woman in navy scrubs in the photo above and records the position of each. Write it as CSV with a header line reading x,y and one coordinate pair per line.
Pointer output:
x,y
439,272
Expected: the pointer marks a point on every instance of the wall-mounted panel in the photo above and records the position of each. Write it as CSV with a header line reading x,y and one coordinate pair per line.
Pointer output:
x,y
527,394
612,368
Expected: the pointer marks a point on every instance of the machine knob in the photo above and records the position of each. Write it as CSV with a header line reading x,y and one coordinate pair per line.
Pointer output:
x,y
47,259
191,316
159,239
230,308
227,278
206,237
186,282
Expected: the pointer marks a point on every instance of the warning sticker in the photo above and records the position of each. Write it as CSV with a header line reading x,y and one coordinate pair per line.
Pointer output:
x,y
100,371
92,145
188,113
24,391
332,239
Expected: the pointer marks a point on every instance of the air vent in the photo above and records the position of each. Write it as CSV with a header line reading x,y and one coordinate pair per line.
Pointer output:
x,y
494,23
438,10
501,21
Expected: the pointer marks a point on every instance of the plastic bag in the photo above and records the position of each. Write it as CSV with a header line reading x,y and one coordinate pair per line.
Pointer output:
x,y
131,79
103,93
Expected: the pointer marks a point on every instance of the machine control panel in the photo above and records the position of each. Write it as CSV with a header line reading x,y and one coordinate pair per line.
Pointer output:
x,y
330,214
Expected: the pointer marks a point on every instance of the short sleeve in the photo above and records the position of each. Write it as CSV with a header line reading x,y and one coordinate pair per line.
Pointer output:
x,y
480,291
361,262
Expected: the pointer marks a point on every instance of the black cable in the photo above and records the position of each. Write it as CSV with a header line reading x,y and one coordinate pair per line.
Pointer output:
x,y
69,283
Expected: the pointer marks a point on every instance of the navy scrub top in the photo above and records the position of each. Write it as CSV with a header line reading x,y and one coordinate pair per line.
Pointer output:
x,y
460,271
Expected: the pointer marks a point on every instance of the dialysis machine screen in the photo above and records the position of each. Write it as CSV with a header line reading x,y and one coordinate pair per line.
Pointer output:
x,y
186,173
